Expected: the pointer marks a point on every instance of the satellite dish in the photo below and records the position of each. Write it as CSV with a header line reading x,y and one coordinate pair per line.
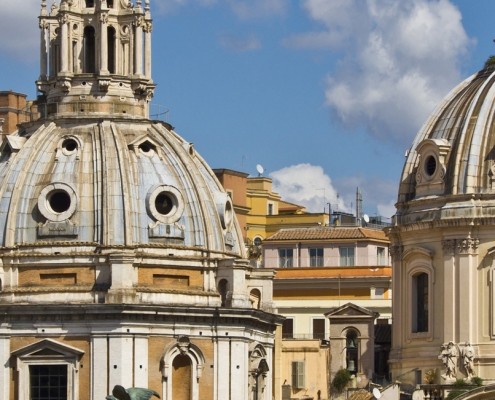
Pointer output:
x,y
366,218
377,393
260,169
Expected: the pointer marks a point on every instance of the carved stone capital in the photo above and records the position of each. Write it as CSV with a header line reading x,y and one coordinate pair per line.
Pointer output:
x,y
148,26
396,251
104,18
449,246
467,246
63,19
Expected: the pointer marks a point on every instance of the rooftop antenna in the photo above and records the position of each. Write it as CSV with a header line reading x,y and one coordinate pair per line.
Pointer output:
x,y
260,169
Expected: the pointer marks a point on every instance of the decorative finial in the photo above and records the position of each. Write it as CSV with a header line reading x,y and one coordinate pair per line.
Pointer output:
x,y
43,7
146,5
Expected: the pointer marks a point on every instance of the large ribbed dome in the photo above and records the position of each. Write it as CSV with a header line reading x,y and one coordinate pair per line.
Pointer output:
x,y
121,260
442,240
113,183
453,154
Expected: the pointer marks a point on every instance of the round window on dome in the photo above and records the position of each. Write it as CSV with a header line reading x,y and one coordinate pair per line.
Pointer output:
x,y
164,204
430,165
57,202
69,145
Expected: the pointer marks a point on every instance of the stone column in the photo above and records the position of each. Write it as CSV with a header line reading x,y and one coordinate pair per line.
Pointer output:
x,y
467,297
43,50
148,26
103,43
64,43
138,47
5,366
449,291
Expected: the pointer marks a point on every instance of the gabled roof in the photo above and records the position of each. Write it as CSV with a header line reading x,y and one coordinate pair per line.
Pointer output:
x,y
351,310
328,233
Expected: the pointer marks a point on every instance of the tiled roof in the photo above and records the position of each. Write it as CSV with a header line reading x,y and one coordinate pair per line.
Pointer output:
x,y
361,395
326,233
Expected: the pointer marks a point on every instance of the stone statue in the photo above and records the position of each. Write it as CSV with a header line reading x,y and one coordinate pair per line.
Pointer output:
x,y
120,393
449,356
468,359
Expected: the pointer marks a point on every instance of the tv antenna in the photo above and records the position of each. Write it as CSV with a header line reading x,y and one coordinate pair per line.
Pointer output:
x,y
260,169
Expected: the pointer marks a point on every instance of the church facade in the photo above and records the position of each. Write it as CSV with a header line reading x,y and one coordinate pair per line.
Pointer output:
x,y
442,243
121,260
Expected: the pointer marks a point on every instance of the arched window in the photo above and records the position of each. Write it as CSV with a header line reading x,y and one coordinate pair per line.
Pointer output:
x,y
182,366
181,377
351,351
89,48
223,286
255,298
111,49
420,302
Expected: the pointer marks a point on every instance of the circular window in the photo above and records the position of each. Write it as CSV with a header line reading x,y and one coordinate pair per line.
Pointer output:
x,y
164,203
430,165
225,209
57,202
70,145
147,148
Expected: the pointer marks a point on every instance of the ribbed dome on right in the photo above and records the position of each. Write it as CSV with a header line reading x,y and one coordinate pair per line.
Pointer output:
x,y
454,152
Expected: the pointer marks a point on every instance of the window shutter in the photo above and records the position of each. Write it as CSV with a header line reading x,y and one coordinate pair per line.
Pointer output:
x,y
298,374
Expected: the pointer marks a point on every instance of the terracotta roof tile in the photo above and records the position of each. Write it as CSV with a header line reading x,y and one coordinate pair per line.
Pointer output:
x,y
326,233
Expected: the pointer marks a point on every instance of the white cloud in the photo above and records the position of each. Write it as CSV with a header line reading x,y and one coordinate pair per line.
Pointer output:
x,y
398,59
307,185
244,9
257,8
171,6
19,37
240,44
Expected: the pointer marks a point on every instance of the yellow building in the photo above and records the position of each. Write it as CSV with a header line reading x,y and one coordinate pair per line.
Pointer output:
x,y
332,283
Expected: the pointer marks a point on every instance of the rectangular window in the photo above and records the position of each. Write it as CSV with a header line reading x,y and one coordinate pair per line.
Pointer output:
x,y
381,258
48,382
316,257
420,302
270,209
318,328
346,256
298,374
285,258
288,329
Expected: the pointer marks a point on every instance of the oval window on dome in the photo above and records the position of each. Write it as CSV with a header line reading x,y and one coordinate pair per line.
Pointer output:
x,y
430,165
165,204
57,202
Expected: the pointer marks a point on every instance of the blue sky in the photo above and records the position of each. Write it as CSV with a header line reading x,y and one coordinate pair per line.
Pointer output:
x,y
327,95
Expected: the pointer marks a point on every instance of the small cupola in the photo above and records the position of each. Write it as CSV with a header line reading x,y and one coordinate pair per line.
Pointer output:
x,y
95,58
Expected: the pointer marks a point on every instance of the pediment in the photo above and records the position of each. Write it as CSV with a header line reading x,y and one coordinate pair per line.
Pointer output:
x,y
351,310
47,347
